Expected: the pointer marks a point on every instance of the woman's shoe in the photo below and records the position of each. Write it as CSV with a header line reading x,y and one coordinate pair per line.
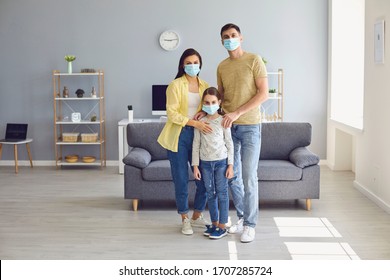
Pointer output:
x,y
200,222
186,227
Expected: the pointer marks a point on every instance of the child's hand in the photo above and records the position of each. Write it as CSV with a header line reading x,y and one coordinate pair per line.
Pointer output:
x,y
197,173
229,171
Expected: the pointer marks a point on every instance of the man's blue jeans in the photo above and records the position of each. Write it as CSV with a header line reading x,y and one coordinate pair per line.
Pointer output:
x,y
244,184
216,184
179,169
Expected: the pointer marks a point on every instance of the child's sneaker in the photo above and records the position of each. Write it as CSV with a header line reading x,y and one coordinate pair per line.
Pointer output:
x,y
209,230
218,233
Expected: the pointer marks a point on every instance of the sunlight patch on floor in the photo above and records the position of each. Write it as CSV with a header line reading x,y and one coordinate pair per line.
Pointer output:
x,y
305,227
291,227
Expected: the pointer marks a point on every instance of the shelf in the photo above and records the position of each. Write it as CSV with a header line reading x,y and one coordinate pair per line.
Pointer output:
x,y
79,163
79,143
79,98
272,110
274,97
265,121
78,74
87,106
98,122
274,73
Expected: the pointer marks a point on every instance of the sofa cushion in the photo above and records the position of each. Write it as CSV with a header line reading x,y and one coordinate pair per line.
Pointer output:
x,y
138,157
278,170
160,170
144,135
279,139
302,157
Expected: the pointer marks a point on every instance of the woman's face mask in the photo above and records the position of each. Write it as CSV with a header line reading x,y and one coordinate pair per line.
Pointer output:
x,y
192,69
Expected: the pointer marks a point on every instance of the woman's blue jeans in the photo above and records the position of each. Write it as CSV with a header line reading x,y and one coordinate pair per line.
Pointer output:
x,y
179,169
216,184
244,185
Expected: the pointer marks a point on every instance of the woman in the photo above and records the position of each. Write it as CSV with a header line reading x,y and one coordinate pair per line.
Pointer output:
x,y
183,102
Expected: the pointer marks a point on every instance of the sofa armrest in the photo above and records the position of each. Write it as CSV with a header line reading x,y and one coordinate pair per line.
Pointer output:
x,y
137,157
302,157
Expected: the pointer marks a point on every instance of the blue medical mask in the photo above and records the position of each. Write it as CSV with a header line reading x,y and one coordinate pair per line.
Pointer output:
x,y
192,69
210,109
231,44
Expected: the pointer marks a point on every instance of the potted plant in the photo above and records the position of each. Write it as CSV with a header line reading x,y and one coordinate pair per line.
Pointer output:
x,y
69,59
272,92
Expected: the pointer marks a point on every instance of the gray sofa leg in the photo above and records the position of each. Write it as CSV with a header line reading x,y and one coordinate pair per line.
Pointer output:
x,y
135,204
308,204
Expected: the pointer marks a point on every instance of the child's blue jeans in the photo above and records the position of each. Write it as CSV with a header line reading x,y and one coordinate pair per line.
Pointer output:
x,y
216,184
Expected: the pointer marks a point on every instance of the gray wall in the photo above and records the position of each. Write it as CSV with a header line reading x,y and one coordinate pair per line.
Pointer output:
x,y
121,37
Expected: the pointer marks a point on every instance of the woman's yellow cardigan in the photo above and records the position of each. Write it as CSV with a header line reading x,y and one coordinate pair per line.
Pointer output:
x,y
177,111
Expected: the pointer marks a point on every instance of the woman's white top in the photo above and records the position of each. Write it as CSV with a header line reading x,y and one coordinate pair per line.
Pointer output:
x,y
193,103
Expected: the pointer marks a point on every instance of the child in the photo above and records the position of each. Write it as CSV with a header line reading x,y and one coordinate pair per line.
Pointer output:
x,y
212,159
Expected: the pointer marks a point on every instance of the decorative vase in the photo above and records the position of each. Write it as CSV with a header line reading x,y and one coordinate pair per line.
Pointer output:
x,y
69,67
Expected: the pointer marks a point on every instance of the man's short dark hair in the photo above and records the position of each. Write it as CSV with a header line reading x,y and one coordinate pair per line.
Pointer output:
x,y
228,26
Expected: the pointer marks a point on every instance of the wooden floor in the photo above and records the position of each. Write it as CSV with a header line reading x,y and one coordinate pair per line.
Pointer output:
x,y
81,214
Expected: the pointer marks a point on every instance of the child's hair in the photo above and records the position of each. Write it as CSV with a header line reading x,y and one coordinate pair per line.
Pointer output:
x,y
213,91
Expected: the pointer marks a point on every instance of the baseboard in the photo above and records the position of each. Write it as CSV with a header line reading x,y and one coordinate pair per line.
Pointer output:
x,y
323,162
373,197
44,163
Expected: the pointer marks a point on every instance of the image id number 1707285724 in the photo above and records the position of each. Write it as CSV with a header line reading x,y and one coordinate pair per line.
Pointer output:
x,y
242,270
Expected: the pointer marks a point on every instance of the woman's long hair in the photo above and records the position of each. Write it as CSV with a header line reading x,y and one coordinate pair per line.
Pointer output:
x,y
186,53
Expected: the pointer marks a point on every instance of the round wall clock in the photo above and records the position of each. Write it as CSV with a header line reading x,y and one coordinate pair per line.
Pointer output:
x,y
169,40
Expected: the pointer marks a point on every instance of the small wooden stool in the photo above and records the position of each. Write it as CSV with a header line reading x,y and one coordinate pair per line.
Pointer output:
x,y
16,143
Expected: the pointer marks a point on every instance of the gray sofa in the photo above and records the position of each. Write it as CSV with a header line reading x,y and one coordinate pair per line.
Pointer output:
x,y
287,169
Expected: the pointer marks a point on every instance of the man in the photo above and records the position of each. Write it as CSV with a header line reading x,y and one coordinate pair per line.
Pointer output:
x,y
242,79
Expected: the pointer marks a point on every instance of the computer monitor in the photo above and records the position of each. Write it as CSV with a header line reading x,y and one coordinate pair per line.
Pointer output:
x,y
159,100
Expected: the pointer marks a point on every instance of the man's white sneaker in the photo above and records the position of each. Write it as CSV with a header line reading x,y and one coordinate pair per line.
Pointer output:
x,y
186,228
248,234
237,227
200,222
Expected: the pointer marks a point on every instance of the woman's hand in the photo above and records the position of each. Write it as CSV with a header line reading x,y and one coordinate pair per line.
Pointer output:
x,y
229,171
199,115
204,127
197,175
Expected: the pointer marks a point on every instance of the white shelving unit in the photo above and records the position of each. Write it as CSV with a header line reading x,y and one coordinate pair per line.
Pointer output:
x,y
273,109
91,106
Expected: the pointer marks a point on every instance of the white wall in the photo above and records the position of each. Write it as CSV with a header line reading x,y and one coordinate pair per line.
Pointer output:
x,y
121,37
373,145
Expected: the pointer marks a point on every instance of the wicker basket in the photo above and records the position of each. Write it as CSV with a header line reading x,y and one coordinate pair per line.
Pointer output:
x,y
70,137
89,137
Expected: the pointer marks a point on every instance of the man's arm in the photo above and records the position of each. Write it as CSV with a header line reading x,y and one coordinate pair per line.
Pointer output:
x,y
260,97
